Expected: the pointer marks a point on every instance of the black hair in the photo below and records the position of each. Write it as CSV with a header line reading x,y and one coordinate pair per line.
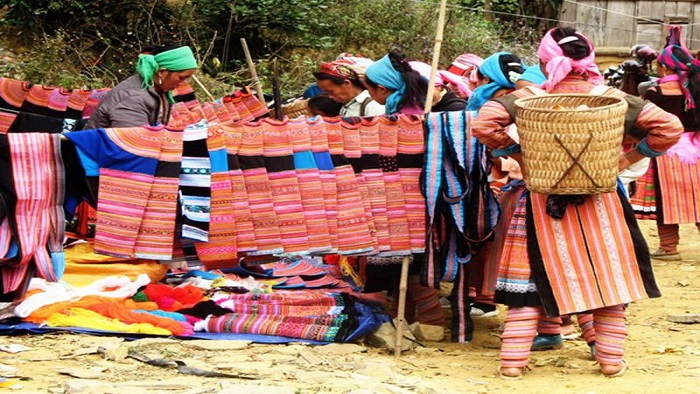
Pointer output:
x,y
166,46
416,85
507,62
338,80
577,49
323,105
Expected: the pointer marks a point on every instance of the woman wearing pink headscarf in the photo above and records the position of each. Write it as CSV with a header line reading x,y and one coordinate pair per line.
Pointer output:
x,y
571,254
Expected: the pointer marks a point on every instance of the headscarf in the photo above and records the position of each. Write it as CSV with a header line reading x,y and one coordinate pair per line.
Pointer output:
x,y
466,65
177,59
491,68
667,59
349,68
560,65
533,74
383,73
442,77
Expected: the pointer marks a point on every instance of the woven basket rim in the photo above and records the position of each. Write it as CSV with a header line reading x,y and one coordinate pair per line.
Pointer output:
x,y
618,101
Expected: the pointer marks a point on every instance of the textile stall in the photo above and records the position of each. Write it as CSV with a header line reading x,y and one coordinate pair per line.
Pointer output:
x,y
216,187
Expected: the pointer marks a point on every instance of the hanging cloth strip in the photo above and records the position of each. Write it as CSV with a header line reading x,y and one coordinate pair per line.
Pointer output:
x,y
13,93
410,158
324,162
257,182
220,251
353,230
374,180
38,208
310,186
396,202
459,186
195,183
245,231
156,234
284,186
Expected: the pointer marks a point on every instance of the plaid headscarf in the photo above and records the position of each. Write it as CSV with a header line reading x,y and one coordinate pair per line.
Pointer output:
x,y
682,67
344,68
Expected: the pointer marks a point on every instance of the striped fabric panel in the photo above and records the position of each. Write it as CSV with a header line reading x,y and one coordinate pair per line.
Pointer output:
x,y
334,132
397,213
374,180
222,113
122,200
325,328
353,229
363,188
195,183
157,231
680,189
310,187
588,254
388,136
410,141
221,246
319,145
318,134
93,101
514,273
57,212
265,223
284,187
251,102
369,135
231,108
644,199
245,232
352,147
209,113
240,108
39,95
35,177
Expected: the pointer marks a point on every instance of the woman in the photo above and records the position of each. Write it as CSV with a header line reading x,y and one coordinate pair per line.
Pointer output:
x,y
676,188
145,98
444,99
608,246
392,82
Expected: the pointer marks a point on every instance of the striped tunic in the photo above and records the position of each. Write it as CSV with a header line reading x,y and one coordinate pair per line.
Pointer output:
x,y
595,256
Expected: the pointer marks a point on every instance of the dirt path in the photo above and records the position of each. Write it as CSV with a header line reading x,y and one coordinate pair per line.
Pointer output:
x,y
664,357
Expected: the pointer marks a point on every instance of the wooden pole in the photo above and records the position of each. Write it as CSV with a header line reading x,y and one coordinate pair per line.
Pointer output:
x,y
436,55
401,313
253,73
201,85
227,42
276,89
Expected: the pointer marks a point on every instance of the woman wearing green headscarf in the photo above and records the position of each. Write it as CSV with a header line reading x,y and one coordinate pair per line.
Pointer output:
x,y
145,98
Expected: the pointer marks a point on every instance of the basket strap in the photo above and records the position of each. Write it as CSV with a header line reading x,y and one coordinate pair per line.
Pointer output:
x,y
575,159
634,108
508,101
364,104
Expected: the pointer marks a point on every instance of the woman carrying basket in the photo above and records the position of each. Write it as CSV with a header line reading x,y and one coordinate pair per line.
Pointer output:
x,y
565,255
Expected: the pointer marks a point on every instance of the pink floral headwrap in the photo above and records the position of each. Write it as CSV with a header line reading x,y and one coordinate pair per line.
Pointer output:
x,y
560,65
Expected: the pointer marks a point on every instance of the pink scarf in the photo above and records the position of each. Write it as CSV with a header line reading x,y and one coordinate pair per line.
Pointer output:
x,y
559,65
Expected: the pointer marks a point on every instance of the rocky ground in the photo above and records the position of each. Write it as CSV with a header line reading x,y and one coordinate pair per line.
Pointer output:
x,y
664,357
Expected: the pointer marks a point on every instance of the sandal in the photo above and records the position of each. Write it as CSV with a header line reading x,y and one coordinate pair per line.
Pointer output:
x,y
665,255
619,373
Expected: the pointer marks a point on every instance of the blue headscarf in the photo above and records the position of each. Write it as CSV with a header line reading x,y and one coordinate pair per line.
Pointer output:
x,y
491,68
533,74
383,73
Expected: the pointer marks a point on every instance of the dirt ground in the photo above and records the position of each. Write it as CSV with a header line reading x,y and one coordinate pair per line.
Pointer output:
x,y
663,356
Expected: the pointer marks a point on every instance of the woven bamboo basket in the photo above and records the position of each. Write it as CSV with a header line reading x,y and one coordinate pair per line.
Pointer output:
x,y
295,109
569,150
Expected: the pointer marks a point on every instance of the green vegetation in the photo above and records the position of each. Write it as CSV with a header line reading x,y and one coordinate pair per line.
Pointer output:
x,y
95,43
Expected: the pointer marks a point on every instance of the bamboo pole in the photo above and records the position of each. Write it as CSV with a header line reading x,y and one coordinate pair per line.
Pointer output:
x,y
253,73
276,89
436,55
401,313
201,85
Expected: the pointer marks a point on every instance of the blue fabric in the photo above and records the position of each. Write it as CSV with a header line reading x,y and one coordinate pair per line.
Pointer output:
x,y
304,160
643,148
323,161
218,160
533,74
58,262
515,148
96,150
13,250
312,91
490,68
383,73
